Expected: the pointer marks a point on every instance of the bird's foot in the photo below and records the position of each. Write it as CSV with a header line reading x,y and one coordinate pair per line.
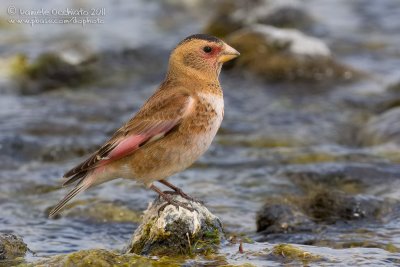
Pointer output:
x,y
170,201
184,195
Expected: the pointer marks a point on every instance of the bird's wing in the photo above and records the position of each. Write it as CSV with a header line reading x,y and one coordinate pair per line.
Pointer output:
x,y
157,117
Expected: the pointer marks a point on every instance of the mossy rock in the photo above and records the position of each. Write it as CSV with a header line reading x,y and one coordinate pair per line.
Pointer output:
x,y
48,72
287,55
291,253
168,230
104,258
11,247
101,211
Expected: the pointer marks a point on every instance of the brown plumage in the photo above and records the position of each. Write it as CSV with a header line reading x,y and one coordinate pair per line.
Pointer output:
x,y
173,128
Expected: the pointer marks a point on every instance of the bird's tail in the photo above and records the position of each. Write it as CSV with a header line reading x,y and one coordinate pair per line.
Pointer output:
x,y
81,186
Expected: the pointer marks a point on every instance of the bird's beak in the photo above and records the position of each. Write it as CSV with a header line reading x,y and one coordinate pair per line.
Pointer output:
x,y
228,53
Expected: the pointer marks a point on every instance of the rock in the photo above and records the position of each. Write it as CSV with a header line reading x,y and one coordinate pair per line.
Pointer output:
x,y
288,17
331,206
293,41
292,253
11,247
384,128
223,22
282,218
348,177
234,15
167,230
47,72
101,211
286,55
102,257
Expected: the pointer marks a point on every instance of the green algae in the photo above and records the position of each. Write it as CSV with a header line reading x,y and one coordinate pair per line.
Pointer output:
x,y
105,212
105,258
292,253
156,241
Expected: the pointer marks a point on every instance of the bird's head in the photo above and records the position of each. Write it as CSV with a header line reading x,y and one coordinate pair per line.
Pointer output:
x,y
201,55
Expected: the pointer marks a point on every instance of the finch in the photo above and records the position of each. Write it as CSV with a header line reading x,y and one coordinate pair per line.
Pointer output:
x,y
174,127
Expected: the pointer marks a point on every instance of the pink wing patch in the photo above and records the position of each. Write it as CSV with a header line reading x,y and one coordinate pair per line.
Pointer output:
x,y
132,142
126,146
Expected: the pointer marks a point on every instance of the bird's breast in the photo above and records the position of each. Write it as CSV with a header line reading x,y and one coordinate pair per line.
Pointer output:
x,y
206,120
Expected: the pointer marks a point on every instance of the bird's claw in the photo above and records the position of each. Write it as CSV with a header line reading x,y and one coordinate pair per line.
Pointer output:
x,y
184,195
173,202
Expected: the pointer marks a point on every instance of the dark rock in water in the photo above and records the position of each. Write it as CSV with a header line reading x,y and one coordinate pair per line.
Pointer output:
x,y
167,230
384,128
333,206
234,15
348,177
51,71
282,218
288,17
48,72
333,214
287,55
11,247
223,23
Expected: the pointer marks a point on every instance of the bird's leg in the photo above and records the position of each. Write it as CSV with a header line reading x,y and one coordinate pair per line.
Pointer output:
x,y
179,191
169,199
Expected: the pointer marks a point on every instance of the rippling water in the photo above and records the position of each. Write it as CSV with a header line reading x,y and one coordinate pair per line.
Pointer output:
x,y
269,130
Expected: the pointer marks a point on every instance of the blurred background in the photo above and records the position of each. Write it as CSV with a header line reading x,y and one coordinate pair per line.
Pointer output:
x,y
308,152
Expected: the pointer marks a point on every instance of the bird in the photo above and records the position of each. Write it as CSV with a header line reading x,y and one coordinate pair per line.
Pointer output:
x,y
172,129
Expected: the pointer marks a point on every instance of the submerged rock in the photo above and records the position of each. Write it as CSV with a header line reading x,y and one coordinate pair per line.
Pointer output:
x,y
292,253
286,55
11,247
102,257
384,128
104,212
168,230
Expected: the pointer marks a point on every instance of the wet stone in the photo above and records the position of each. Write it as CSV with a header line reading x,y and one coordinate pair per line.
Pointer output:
x,y
282,218
384,128
11,247
102,257
48,72
333,206
291,253
359,176
102,211
233,15
288,17
287,55
168,230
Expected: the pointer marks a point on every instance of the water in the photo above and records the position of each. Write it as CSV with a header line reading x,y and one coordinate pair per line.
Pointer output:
x,y
270,131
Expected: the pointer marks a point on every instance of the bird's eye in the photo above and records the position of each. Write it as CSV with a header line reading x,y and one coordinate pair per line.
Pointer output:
x,y
207,49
